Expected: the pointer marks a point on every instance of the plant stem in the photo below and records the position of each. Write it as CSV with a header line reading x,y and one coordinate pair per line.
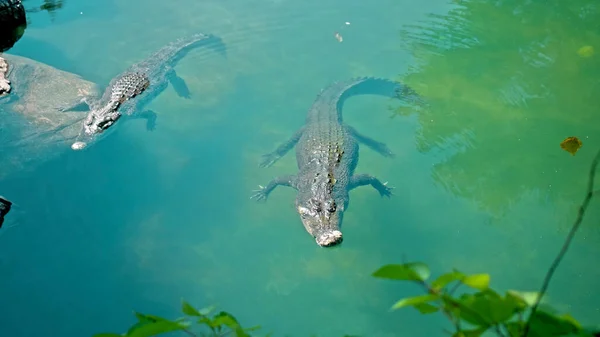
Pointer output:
x,y
582,209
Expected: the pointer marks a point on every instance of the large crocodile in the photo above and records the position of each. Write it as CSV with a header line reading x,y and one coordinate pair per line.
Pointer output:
x,y
327,155
129,92
5,206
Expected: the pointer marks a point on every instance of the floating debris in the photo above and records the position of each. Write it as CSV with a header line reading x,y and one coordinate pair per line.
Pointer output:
x,y
339,37
571,145
586,51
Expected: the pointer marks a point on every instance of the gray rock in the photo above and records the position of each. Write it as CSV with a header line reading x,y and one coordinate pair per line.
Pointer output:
x,y
33,128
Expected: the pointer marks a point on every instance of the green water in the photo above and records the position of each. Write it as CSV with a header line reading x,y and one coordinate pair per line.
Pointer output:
x,y
144,219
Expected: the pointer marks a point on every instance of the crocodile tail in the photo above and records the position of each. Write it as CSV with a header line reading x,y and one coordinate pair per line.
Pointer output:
x,y
339,92
176,50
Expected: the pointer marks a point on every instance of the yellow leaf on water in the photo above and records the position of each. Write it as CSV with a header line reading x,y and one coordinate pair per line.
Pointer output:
x,y
477,281
586,51
571,145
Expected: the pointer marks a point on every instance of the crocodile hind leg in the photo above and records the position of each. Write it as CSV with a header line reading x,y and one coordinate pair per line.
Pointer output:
x,y
263,192
178,84
367,179
270,158
376,146
149,116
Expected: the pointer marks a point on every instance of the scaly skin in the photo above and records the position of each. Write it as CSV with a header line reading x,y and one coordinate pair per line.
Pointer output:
x,y
5,206
4,81
128,93
327,155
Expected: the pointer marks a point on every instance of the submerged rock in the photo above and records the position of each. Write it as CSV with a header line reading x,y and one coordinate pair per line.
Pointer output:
x,y
32,126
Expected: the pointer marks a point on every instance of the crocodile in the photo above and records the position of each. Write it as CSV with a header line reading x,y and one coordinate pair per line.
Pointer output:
x,y
128,93
5,206
327,156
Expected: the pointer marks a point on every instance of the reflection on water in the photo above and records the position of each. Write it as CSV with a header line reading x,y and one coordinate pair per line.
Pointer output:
x,y
509,80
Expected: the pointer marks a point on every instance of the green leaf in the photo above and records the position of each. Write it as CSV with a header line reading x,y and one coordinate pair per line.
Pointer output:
x,y
463,311
252,328
411,301
107,335
155,328
528,298
477,281
483,308
224,318
148,318
470,333
445,279
187,309
515,329
426,308
405,272
206,311
547,324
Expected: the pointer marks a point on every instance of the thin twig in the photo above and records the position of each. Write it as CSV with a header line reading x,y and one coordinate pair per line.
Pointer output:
x,y
453,290
582,209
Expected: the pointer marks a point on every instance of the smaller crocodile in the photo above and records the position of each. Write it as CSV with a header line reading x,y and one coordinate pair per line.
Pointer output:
x,y
327,155
5,206
129,92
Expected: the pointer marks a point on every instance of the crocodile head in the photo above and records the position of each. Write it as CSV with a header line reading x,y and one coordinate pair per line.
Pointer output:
x,y
96,122
321,217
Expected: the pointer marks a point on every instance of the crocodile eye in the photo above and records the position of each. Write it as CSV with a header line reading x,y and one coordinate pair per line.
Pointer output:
x,y
304,212
332,207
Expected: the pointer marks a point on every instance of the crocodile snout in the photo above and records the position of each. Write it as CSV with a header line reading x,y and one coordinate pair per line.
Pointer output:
x,y
329,239
78,145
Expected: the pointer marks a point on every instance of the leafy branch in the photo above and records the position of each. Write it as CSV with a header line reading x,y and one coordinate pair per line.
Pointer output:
x,y
580,214
219,325
486,309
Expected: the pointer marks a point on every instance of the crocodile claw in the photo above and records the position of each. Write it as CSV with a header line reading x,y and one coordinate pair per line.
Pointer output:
x,y
268,160
388,153
386,191
260,194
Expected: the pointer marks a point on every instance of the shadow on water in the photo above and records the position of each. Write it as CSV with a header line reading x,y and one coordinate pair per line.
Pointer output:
x,y
67,247
508,81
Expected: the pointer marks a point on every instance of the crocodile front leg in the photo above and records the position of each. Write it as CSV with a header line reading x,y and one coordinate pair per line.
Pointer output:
x,y
376,146
264,191
178,84
367,179
149,116
270,158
